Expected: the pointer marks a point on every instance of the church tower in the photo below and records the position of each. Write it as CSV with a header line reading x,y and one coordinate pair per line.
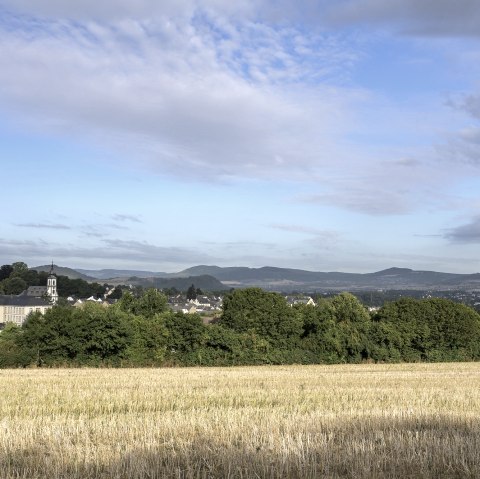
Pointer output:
x,y
52,286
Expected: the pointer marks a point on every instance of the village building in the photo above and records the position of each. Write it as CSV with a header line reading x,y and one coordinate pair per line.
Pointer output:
x,y
16,308
305,300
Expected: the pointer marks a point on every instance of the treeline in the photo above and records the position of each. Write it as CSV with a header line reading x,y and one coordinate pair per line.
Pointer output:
x,y
16,278
256,327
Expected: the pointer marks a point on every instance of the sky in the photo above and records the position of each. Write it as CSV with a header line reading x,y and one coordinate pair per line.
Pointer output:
x,y
322,135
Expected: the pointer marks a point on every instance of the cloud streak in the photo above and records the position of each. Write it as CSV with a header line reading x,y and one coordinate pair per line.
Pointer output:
x,y
467,233
52,226
130,218
308,230
109,249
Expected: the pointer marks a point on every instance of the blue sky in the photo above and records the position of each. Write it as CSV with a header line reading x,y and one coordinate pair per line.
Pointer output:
x,y
329,136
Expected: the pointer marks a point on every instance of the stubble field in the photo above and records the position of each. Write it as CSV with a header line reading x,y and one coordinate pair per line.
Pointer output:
x,y
358,421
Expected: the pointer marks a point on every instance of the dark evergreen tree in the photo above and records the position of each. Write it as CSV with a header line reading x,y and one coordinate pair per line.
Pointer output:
x,y
191,293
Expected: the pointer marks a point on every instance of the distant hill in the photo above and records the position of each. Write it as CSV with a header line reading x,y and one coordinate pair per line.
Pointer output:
x,y
120,273
286,279
216,278
64,271
204,282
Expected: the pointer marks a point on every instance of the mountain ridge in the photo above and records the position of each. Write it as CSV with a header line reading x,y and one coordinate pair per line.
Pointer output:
x,y
289,279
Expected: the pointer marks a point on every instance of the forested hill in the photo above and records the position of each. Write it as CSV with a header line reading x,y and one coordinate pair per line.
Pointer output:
x,y
204,282
284,279
64,271
139,278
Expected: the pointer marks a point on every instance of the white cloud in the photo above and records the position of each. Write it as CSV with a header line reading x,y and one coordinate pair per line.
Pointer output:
x,y
184,100
214,91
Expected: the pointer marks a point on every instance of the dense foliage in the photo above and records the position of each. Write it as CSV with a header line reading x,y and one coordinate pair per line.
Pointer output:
x,y
16,278
256,327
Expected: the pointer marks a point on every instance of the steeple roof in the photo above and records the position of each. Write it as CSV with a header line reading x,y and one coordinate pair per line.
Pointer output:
x,y
51,271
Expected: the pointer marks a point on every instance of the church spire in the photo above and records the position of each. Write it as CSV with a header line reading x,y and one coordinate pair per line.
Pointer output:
x,y
52,286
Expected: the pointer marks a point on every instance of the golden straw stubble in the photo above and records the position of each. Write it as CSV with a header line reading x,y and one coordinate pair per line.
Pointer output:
x,y
357,421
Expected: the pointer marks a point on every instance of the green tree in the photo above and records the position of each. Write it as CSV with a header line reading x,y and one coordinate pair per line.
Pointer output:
x,y
404,329
186,334
78,287
191,293
117,293
264,313
454,330
150,303
224,346
149,341
12,353
89,335
37,335
104,333
321,335
432,329
5,271
353,323
14,285
19,268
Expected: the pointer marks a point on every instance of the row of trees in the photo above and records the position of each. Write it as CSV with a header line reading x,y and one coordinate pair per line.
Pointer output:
x,y
17,277
256,327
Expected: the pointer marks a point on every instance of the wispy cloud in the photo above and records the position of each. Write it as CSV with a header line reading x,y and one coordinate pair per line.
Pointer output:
x,y
107,249
471,104
199,95
222,91
52,226
467,233
143,251
293,228
235,245
369,201
427,17
418,235
131,218
100,230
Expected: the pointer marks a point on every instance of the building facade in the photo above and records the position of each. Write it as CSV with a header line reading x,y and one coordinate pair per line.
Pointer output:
x,y
15,309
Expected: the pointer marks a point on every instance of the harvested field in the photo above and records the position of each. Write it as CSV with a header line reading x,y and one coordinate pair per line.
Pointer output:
x,y
353,421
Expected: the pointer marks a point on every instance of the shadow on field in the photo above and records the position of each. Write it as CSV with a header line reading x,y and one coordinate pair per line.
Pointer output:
x,y
432,447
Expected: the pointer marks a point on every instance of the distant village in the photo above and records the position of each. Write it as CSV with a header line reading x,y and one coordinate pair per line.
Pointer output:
x,y
16,308
51,319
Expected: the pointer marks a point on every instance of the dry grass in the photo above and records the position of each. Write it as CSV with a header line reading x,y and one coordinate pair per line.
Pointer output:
x,y
362,421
